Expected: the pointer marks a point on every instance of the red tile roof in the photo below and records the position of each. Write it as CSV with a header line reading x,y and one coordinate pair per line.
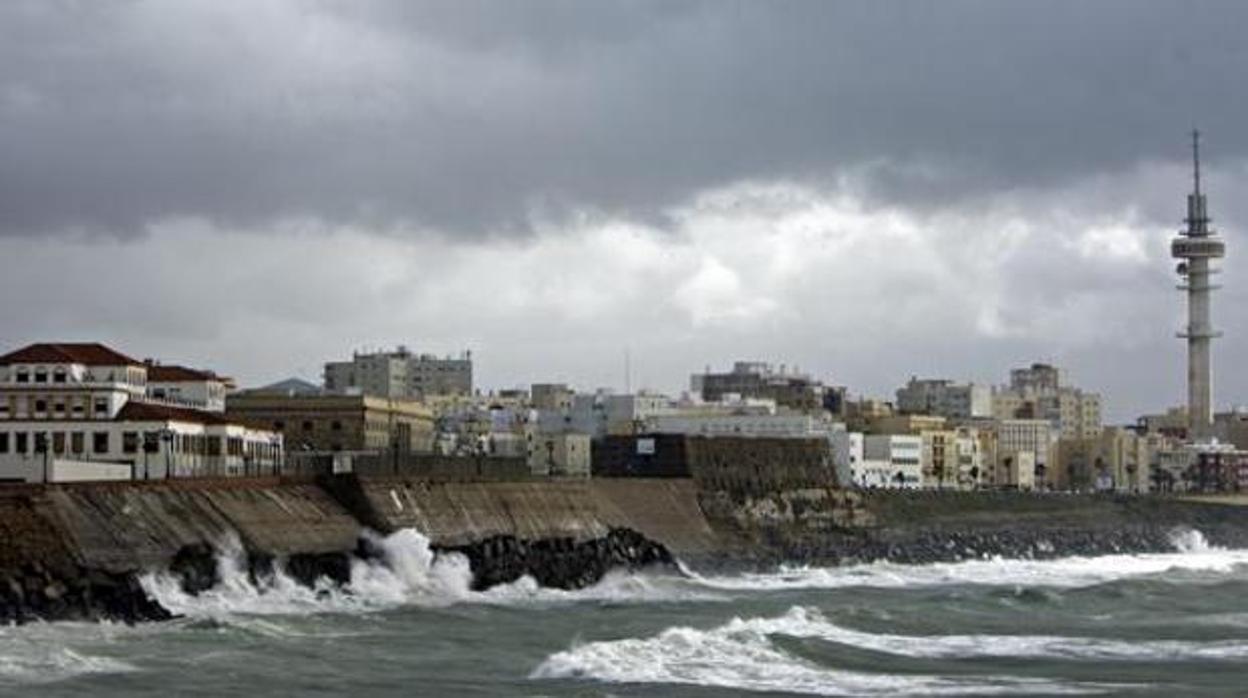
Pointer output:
x,y
135,411
88,354
165,373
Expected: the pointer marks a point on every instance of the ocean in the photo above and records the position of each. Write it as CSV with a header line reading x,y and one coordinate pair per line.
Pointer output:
x,y
1162,624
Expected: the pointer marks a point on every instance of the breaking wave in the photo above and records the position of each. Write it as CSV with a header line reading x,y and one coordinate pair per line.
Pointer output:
x,y
407,573
1194,554
742,655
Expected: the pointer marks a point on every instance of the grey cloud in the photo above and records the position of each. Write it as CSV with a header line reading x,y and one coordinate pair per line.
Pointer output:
x,y
471,118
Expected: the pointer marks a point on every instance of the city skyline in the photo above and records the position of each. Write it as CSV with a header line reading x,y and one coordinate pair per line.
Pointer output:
x,y
553,189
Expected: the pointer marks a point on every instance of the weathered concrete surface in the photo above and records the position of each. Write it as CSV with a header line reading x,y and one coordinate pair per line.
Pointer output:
x,y
72,551
42,577
832,526
123,527
458,513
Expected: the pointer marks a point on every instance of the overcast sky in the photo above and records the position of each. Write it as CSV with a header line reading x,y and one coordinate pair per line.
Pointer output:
x,y
866,191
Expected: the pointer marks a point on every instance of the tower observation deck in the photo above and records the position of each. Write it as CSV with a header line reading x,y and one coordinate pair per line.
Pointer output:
x,y
1197,247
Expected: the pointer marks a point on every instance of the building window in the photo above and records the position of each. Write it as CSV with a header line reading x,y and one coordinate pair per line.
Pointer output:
x,y
130,442
101,407
99,442
59,406
214,445
58,442
21,442
4,442
279,425
336,425
77,442
41,406
23,376
41,375
307,425
59,376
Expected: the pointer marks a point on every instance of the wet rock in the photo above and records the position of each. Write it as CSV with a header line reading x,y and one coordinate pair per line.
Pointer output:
x,y
196,566
561,563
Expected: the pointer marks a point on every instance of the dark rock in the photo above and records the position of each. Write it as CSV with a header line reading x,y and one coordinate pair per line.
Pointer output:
x,y
196,566
562,562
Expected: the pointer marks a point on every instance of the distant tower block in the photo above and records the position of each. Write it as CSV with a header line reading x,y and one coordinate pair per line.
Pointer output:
x,y
1198,246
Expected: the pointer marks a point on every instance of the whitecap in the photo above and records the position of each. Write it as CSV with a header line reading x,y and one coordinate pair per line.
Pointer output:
x,y
741,655
1195,556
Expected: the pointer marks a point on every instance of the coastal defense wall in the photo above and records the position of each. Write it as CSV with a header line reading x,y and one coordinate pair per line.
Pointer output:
x,y
745,467
129,526
456,513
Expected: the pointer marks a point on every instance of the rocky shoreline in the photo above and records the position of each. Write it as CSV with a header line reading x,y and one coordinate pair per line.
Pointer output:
x,y
36,593
77,552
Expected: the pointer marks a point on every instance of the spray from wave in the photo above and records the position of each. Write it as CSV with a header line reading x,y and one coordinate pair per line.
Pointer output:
x,y
406,572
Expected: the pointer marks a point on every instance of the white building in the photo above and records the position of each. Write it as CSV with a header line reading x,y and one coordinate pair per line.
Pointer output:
x,y
891,461
603,412
847,458
187,387
749,425
83,411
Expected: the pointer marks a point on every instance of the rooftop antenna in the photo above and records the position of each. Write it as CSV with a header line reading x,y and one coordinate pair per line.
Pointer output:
x,y
628,372
1196,158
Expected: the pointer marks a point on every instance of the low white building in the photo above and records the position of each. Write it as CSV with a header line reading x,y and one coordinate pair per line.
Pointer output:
x,y
187,387
891,461
750,425
847,457
88,404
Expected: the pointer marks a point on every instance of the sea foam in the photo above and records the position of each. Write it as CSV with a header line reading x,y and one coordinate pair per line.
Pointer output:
x,y
742,655
1194,554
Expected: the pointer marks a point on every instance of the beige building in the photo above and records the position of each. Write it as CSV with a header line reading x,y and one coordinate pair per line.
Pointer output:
x,y
1017,470
337,422
559,455
1040,392
905,424
939,459
1120,460
945,398
400,374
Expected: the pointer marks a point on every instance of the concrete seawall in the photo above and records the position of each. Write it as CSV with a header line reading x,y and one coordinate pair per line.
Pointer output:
x,y
455,513
65,547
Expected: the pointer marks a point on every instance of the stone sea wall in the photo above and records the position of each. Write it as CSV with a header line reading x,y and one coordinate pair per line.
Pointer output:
x,y
75,551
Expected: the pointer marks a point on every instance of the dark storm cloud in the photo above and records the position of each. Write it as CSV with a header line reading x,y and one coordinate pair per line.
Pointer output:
x,y
475,117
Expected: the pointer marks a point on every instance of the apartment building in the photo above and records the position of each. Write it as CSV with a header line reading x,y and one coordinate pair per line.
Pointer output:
x,y
82,411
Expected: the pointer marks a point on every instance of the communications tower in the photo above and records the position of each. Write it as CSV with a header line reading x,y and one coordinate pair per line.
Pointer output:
x,y
1198,246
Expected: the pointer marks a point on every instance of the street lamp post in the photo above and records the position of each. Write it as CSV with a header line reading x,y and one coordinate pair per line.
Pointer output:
x,y
275,442
166,437
41,446
151,444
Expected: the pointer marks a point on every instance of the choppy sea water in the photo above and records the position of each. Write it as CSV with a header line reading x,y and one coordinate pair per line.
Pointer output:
x,y
1158,624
